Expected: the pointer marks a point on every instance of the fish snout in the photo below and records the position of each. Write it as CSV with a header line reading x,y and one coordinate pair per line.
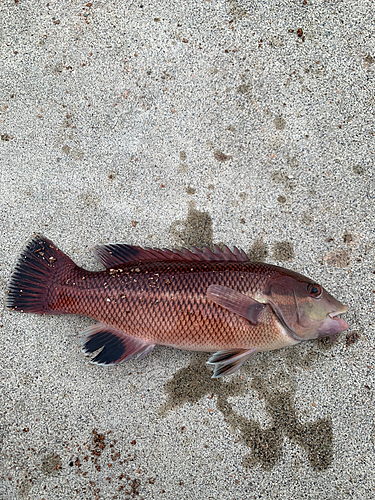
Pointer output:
x,y
340,323
333,324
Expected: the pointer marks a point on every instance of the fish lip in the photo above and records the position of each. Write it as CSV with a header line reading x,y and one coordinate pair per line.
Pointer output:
x,y
334,314
333,324
343,310
343,325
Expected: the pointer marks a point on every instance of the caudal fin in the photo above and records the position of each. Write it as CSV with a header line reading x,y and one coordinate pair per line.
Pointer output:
x,y
34,274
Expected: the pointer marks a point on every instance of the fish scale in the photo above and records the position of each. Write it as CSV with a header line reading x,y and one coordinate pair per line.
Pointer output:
x,y
197,300
166,303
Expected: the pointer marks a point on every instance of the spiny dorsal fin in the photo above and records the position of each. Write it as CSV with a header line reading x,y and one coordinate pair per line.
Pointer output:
x,y
115,255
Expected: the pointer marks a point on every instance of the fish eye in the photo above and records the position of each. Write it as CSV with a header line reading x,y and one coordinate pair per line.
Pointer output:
x,y
314,290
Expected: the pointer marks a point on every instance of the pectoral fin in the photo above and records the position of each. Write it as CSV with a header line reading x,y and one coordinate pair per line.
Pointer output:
x,y
229,361
236,302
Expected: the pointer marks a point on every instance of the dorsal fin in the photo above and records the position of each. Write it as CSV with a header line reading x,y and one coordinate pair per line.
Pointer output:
x,y
115,255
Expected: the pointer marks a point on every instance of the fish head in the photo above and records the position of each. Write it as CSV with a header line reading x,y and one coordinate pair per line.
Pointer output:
x,y
305,308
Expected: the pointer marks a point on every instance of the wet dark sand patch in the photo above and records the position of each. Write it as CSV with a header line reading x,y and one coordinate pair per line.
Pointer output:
x,y
276,385
194,231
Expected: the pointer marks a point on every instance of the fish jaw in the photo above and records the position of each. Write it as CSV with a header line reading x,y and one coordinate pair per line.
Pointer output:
x,y
333,325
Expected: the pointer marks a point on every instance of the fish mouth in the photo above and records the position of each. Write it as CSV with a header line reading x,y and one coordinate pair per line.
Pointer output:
x,y
341,324
334,315
336,325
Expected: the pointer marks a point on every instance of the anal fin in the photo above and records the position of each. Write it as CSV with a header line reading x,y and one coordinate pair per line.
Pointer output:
x,y
116,346
229,361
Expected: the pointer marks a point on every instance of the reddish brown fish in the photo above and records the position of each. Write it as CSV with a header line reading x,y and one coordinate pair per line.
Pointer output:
x,y
201,300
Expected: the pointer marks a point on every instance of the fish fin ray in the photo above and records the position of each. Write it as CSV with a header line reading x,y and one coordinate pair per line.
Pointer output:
x,y
229,361
236,302
228,355
34,274
116,346
115,255
142,354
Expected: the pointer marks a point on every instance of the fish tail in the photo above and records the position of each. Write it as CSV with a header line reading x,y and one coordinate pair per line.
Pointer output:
x,y
33,278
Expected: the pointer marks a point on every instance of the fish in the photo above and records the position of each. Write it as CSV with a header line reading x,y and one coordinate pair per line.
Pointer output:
x,y
207,300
